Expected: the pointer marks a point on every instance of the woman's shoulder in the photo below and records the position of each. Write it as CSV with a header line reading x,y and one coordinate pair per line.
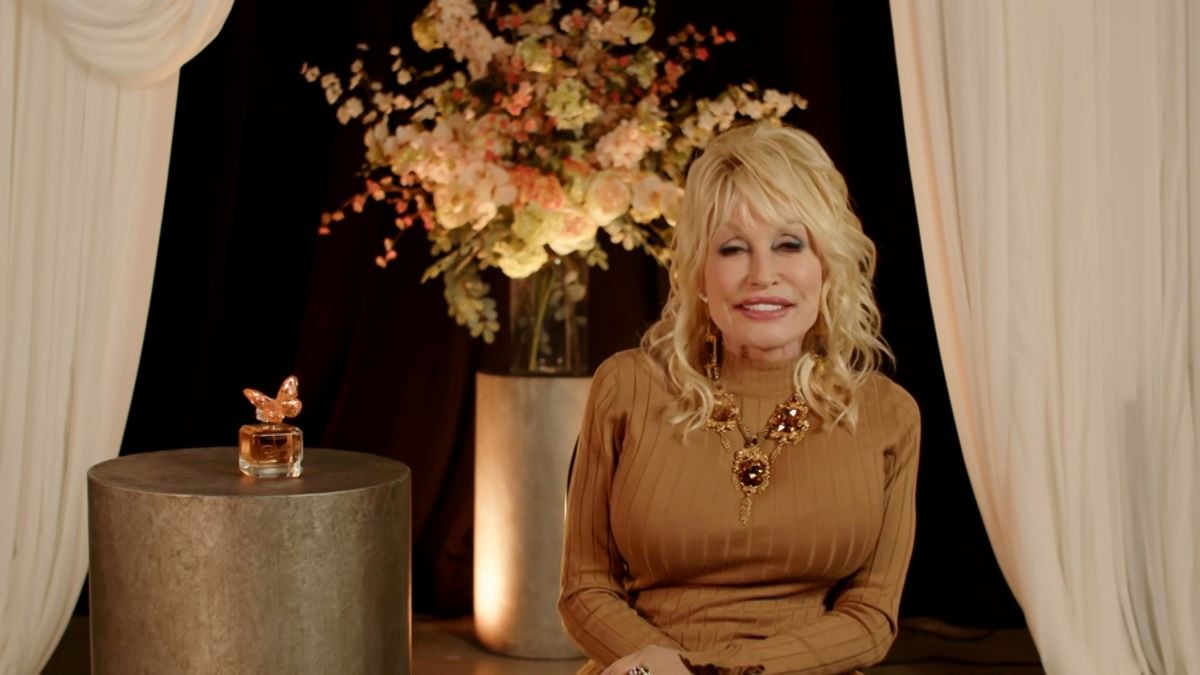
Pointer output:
x,y
629,371
628,363
889,401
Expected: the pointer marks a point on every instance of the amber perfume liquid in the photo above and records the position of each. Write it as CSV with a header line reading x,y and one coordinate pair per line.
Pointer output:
x,y
270,450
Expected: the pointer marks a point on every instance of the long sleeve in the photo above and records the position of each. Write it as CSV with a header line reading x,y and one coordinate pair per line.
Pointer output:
x,y
594,604
862,623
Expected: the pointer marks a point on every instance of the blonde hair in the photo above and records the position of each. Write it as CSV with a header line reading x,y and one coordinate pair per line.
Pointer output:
x,y
779,174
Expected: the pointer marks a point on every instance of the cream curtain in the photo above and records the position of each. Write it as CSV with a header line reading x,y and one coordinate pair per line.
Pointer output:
x,y
1055,154
87,103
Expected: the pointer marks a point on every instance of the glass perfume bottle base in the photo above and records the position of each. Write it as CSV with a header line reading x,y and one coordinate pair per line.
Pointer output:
x,y
292,470
270,450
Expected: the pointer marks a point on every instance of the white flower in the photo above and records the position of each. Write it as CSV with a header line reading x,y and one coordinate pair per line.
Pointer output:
x,y
619,26
646,194
641,30
383,101
696,134
781,104
468,192
465,35
392,144
624,146
333,87
569,106
452,206
505,194
607,197
752,108
594,30
485,211
425,32
669,202
536,55
536,226
518,261
374,139
576,232
349,110
724,111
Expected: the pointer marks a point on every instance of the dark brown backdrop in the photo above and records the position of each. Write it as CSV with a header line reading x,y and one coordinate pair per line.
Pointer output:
x,y
245,292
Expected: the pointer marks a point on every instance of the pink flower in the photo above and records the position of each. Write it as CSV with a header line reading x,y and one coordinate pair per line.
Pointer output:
x,y
607,197
519,100
510,21
674,72
535,187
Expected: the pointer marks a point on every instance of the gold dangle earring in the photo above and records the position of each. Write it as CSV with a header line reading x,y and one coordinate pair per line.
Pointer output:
x,y
821,348
725,412
711,344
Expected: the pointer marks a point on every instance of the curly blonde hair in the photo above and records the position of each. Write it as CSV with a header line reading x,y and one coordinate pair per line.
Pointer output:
x,y
779,174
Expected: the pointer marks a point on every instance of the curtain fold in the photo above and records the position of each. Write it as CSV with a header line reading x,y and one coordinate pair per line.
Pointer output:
x,y
1054,158
85,136
140,43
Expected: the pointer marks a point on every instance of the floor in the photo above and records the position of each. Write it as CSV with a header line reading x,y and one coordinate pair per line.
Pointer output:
x,y
448,646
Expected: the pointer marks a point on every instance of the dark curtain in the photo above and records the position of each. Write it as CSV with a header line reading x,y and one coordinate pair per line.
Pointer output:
x,y
245,292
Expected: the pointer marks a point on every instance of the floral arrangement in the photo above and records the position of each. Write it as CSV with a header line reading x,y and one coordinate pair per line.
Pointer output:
x,y
550,126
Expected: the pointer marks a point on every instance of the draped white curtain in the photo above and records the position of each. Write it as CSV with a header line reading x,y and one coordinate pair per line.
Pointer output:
x,y
87,104
1055,154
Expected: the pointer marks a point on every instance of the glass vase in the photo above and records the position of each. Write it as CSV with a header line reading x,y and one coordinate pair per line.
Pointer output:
x,y
548,319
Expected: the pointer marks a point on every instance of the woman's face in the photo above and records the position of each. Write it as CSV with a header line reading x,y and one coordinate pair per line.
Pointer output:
x,y
763,283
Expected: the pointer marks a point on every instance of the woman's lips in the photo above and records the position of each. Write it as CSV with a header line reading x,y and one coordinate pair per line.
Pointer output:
x,y
763,309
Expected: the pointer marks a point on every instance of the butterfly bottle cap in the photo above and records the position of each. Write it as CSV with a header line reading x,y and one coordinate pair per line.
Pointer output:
x,y
273,410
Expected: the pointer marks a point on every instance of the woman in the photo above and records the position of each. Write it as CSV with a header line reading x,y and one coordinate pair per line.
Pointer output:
x,y
743,495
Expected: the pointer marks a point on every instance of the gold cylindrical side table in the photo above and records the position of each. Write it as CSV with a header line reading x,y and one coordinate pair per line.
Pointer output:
x,y
196,568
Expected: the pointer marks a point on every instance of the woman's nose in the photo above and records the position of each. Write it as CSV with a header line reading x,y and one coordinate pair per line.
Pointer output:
x,y
762,271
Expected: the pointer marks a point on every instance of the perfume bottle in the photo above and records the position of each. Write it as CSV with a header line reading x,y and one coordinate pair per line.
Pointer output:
x,y
272,449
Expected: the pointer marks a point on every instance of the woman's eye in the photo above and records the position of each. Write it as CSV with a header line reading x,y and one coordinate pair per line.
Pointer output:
x,y
791,245
731,249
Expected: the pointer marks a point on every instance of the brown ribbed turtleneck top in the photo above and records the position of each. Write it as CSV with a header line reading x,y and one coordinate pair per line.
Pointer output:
x,y
655,555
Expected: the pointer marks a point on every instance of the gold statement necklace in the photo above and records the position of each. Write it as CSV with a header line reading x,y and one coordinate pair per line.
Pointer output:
x,y
751,466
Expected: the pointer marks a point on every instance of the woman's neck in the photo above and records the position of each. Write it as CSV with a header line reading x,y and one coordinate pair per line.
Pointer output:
x,y
758,377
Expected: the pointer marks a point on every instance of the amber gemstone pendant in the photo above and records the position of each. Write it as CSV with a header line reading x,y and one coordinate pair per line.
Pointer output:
x,y
789,421
751,475
724,418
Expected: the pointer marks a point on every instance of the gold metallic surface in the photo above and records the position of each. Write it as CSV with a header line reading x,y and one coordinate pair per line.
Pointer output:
x,y
196,568
525,429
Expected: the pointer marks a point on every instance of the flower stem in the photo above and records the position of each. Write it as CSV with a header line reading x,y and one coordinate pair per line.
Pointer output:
x,y
543,284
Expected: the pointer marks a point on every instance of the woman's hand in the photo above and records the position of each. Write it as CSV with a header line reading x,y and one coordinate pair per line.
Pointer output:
x,y
654,660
